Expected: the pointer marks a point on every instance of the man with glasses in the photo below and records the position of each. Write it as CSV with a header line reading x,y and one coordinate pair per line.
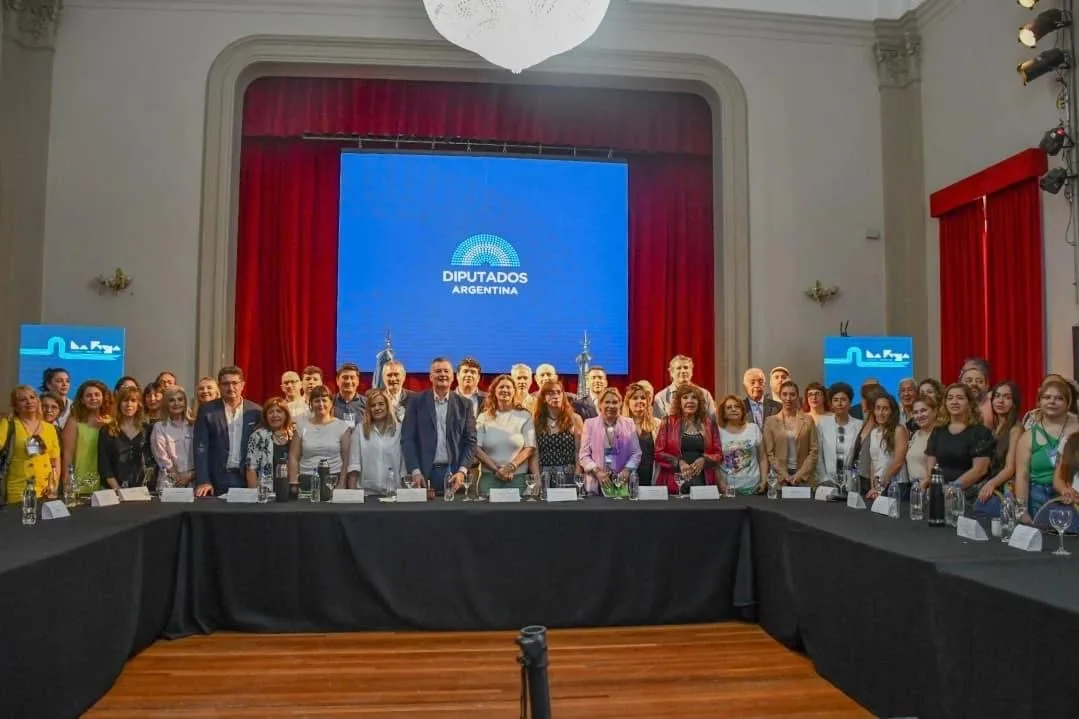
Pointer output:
x,y
222,430
292,388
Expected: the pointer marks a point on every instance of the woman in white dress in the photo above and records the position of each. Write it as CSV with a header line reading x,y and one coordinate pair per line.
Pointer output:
x,y
505,438
887,448
319,436
745,464
376,463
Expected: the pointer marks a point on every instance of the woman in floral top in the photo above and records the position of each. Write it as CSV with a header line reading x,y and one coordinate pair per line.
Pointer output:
x,y
268,446
744,462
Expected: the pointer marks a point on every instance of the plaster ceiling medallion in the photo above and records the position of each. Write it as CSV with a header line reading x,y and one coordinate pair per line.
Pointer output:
x,y
516,34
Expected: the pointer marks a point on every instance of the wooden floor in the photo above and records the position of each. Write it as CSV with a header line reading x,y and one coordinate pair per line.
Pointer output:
x,y
725,670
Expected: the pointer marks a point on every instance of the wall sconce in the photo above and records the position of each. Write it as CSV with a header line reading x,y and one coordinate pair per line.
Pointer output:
x,y
115,283
821,294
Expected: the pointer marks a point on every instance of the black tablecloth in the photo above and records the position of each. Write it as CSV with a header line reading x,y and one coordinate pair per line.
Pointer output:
x,y
308,568
906,619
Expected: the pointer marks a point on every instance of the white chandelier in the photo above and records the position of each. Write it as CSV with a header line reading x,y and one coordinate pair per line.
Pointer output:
x,y
517,34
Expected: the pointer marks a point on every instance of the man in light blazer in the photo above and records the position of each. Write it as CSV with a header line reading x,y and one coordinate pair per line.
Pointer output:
x,y
438,437
222,430
758,407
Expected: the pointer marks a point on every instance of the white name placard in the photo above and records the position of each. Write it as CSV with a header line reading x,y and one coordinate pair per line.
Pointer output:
x,y
104,498
823,494
183,495
797,493
347,496
562,494
882,505
500,495
855,501
654,494
969,528
412,494
1026,538
54,510
242,495
707,491
134,494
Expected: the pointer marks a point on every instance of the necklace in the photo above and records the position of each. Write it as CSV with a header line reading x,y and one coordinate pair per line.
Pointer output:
x,y
26,426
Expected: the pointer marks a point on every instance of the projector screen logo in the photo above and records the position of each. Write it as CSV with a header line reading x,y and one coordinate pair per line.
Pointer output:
x,y
485,251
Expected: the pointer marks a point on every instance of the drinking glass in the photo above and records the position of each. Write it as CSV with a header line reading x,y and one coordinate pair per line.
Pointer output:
x,y
544,484
531,480
730,492
680,480
578,479
560,478
447,487
773,481
1059,519
470,478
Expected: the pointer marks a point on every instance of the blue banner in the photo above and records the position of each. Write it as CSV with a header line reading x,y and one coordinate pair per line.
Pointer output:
x,y
85,352
855,359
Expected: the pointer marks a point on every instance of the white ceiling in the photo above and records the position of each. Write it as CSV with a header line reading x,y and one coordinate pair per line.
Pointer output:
x,y
851,9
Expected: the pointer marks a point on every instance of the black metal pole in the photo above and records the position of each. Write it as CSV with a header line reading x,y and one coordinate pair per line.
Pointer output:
x,y
533,659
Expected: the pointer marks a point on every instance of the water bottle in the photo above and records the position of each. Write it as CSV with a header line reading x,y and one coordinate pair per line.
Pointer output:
x,y
854,485
634,485
936,498
29,502
894,495
319,479
391,483
265,487
447,487
773,483
1007,516
71,492
916,499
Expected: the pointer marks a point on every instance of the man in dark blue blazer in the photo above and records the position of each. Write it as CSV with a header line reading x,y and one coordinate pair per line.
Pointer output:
x,y
438,437
222,430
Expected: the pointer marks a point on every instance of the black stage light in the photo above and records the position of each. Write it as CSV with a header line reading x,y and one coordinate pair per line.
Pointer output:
x,y
1054,180
535,690
1047,22
1045,62
1054,141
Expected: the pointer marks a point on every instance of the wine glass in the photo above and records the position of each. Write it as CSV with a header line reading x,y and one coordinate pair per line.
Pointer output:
x,y
531,480
578,479
1059,519
680,480
544,484
470,478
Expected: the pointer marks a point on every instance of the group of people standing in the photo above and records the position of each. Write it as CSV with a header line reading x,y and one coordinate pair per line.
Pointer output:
x,y
390,437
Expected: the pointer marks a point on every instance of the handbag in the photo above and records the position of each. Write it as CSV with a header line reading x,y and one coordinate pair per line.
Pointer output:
x,y
5,458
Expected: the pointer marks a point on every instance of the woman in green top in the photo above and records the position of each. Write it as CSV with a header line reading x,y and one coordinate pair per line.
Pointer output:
x,y
1038,450
91,409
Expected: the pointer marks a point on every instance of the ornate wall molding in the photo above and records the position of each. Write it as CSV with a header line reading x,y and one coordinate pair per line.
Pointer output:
x,y
32,23
899,59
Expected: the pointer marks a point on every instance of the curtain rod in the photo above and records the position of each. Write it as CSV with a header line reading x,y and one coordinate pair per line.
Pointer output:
x,y
409,142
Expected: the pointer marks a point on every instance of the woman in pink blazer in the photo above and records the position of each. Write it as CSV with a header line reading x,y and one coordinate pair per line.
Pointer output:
x,y
609,443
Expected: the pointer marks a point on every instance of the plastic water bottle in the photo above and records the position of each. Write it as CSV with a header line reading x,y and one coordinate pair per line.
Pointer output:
x,y
29,502
1008,513
773,483
265,486
447,487
854,484
71,492
936,498
895,496
916,499
318,479
634,485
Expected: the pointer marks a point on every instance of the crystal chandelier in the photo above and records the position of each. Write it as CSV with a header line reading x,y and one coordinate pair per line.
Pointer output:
x,y
516,34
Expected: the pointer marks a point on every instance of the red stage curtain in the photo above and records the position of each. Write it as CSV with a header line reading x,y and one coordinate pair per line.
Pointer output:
x,y
288,213
1015,281
963,321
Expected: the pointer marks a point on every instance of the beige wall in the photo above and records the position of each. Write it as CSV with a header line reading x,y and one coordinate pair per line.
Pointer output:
x,y
125,160
976,112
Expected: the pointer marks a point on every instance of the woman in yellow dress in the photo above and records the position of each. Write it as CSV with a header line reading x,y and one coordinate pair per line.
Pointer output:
x,y
33,449
90,411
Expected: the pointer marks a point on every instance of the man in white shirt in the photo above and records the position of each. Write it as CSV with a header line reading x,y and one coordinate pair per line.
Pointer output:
x,y
292,388
438,436
547,373
222,430
393,379
681,371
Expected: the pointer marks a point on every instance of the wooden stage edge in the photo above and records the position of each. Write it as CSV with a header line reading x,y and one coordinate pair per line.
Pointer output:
x,y
714,670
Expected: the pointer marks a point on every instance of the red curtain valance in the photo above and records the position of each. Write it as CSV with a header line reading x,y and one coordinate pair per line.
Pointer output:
x,y
656,122
1022,166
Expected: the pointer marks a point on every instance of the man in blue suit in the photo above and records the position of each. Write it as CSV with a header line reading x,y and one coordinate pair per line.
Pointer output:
x,y
222,430
438,438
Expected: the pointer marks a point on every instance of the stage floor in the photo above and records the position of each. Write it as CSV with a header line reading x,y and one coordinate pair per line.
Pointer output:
x,y
732,669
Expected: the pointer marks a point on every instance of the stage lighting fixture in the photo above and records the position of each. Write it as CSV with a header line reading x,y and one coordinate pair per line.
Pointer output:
x,y
1047,22
1054,180
1045,62
1053,141
1028,4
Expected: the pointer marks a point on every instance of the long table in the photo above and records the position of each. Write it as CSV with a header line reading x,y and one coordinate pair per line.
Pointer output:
x,y
908,620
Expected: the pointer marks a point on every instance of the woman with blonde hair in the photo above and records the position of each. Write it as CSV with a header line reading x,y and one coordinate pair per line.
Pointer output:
x,y
1038,451
376,462
558,433
206,390
123,452
505,438
172,440
610,451
33,448
638,407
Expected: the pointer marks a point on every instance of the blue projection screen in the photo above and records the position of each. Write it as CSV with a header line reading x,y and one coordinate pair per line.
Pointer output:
x,y
85,352
853,360
507,259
